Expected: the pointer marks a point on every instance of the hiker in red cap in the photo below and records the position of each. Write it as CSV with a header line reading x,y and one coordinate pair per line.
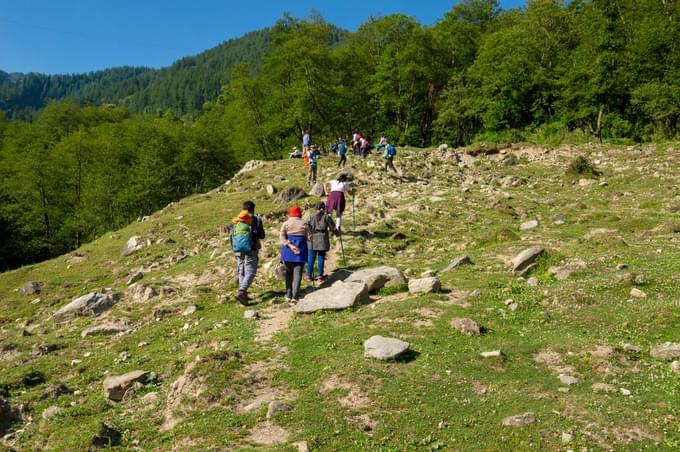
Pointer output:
x,y
293,237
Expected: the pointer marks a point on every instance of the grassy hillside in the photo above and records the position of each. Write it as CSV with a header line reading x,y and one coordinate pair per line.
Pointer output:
x,y
215,372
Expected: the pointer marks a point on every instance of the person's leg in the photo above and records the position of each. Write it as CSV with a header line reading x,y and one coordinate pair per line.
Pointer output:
x,y
240,269
311,254
321,261
338,221
250,270
297,279
289,279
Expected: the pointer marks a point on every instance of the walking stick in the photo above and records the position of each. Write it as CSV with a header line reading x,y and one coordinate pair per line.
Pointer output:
x,y
342,249
354,225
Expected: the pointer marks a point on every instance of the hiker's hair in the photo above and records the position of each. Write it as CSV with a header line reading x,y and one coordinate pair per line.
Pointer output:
x,y
342,177
249,206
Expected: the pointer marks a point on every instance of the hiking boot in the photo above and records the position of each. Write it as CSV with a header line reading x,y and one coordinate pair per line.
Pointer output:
x,y
321,279
308,278
242,298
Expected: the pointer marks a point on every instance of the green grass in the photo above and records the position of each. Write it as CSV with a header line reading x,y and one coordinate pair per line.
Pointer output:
x,y
443,380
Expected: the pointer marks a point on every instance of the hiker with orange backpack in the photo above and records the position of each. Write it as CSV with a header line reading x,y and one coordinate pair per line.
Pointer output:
x,y
246,232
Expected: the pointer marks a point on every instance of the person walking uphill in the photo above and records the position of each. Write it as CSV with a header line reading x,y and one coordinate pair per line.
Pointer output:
x,y
313,165
246,233
318,241
342,152
389,153
293,237
336,198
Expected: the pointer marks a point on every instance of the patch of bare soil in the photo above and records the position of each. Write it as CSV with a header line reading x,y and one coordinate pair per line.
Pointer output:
x,y
187,388
364,422
456,298
354,399
259,380
274,319
479,388
266,433
553,361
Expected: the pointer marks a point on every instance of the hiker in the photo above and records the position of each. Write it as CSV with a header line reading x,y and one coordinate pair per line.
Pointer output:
x,y
389,153
336,198
342,152
356,141
246,233
313,163
306,147
365,147
295,154
318,241
293,237
382,143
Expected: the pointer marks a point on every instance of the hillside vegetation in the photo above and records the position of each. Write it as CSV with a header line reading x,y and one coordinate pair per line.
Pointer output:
x,y
583,361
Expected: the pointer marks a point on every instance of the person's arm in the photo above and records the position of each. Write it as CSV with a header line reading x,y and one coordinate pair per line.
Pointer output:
x,y
283,234
260,229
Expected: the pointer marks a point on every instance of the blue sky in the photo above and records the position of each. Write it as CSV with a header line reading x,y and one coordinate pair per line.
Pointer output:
x,y
69,36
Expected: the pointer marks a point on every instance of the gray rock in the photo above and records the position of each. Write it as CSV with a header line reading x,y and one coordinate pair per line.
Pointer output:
x,y
558,219
91,304
675,367
141,293
620,267
528,225
492,354
276,407
567,438
458,262
271,190
32,288
568,379
629,348
384,347
51,411
290,194
424,285
520,420
625,392
251,315
511,160
317,189
467,327
134,278
376,278
341,295
511,304
667,351
115,387
637,293
564,271
533,281
189,310
134,244
604,387
301,446
105,329
526,258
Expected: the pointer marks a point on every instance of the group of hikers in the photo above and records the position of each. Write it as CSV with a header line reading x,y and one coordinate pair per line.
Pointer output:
x,y
303,242
361,146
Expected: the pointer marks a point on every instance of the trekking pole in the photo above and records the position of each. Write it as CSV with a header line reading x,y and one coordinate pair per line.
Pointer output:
x,y
354,225
342,249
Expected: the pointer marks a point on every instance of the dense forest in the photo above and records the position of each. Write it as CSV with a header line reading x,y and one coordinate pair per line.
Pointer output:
x,y
551,72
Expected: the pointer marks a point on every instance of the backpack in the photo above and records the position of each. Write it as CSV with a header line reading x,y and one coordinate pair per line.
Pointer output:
x,y
391,150
242,236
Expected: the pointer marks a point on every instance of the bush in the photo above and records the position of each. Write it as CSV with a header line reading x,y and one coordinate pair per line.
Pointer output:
x,y
581,166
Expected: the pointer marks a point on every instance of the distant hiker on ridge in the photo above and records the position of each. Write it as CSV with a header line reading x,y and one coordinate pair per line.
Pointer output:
x,y
313,164
306,146
388,154
318,241
336,197
293,236
246,233
342,152
356,141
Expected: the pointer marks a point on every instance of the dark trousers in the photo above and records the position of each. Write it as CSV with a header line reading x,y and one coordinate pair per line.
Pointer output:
x,y
293,279
343,160
389,163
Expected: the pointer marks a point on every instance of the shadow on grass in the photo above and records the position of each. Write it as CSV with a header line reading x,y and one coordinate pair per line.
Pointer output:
x,y
407,357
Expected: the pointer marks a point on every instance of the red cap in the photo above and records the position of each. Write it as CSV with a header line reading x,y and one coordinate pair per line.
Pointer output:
x,y
295,211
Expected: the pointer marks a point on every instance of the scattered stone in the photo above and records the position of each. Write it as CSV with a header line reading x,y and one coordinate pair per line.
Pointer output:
x,y
629,348
511,160
105,329
564,271
115,387
107,437
492,354
134,278
251,315
563,389
603,352
32,288
620,267
520,420
559,219
442,425
91,304
340,295
428,274
639,280
151,398
189,310
526,258
424,285
289,195
141,293
511,304
467,327
301,446
317,189
666,351
271,190
568,379
625,392
532,224
675,367
384,347
603,387
637,293
458,262
567,438
51,411
276,407
134,244
586,182
533,281
376,278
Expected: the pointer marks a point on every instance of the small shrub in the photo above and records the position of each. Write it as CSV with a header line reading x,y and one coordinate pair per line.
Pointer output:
x,y
581,166
384,291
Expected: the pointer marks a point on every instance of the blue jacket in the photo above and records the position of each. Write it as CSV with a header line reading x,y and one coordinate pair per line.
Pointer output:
x,y
287,255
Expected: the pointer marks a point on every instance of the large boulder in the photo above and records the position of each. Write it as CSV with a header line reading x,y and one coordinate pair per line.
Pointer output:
x,y
668,351
528,257
376,278
134,243
384,347
340,295
317,189
141,293
424,285
458,262
31,288
290,194
105,329
467,327
93,303
115,386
